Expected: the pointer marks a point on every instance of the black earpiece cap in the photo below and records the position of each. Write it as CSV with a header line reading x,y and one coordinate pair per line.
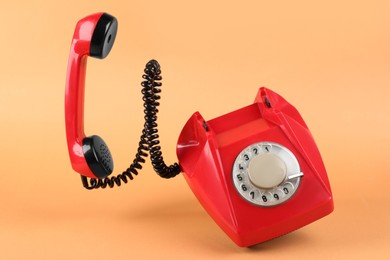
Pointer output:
x,y
98,156
103,36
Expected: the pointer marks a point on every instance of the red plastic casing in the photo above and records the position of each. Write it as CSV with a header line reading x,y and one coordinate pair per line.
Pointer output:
x,y
207,157
74,93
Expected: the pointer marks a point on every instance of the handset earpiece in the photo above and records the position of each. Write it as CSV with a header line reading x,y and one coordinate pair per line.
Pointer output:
x,y
94,36
103,36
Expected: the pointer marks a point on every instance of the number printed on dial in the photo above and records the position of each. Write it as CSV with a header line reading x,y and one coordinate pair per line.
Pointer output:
x,y
266,174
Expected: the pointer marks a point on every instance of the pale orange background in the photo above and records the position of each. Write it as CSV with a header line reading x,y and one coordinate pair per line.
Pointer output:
x,y
330,59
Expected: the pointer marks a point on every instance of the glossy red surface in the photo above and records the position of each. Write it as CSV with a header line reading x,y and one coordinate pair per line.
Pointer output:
x,y
207,157
74,93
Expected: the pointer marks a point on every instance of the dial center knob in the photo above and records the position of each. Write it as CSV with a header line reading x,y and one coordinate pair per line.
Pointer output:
x,y
267,171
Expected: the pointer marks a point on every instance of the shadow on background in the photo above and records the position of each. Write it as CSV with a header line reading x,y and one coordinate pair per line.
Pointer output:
x,y
187,220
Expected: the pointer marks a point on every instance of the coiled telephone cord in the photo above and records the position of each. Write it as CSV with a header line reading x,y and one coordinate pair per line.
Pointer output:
x,y
149,138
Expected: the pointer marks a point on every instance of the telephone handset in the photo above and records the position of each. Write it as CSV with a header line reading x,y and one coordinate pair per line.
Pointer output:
x,y
257,170
94,36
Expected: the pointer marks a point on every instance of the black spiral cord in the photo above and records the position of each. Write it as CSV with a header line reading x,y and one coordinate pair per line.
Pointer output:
x,y
149,138
150,97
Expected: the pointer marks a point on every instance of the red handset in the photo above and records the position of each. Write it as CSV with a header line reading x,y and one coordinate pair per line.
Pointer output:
x,y
94,36
257,171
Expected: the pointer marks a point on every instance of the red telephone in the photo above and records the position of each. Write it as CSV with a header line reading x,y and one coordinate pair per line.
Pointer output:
x,y
257,171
